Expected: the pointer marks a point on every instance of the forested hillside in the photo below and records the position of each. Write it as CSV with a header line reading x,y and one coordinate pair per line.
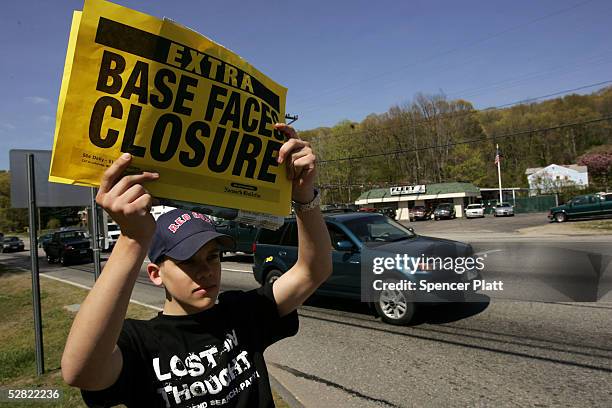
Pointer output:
x,y
432,139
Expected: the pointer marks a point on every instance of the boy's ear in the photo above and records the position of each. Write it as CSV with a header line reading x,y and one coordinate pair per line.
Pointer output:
x,y
154,274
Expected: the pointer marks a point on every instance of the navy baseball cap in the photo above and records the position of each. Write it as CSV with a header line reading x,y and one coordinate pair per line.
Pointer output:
x,y
179,234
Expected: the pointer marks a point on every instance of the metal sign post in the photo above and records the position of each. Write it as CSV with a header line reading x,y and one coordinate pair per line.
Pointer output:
x,y
38,334
95,234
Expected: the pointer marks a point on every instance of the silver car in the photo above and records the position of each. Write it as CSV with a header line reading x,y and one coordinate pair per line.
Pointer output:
x,y
474,211
504,209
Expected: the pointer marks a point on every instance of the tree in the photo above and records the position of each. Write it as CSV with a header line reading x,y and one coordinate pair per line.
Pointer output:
x,y
11,219
599,163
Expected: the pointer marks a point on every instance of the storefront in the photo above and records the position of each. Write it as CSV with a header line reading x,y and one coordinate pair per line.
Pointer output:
x,y
402,198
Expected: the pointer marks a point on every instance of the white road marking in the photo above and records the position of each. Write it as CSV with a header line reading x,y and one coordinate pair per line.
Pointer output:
x,y
236,270
78,285
485,253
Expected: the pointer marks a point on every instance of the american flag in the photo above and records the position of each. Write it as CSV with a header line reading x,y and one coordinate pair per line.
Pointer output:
x,y
498,156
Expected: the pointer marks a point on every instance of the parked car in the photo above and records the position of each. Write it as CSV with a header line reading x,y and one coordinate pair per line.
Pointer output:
x,y
503,210
339,207
590,205
11,244
444,210
69,246
367,209
44,239
474,211
243,234
419,212
114,231
351,235
388,211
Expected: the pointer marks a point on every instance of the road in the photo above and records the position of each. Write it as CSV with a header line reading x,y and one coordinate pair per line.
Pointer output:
x,y
495,353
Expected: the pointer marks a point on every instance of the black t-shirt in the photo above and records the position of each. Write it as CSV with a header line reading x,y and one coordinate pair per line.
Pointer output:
x,y
209,359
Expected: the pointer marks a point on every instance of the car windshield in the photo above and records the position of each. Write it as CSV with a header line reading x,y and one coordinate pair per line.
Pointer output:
x,y
113,227
474,206
444,207
503,205
11,239
378,229
73,235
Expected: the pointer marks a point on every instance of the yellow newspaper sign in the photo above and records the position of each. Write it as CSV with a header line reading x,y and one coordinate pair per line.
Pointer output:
x,y
181,104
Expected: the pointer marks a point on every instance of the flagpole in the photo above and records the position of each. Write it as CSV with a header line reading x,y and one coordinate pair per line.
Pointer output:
x,y
498,172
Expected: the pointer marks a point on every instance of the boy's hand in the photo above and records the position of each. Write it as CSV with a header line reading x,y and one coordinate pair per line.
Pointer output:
x,y
300,161
127,201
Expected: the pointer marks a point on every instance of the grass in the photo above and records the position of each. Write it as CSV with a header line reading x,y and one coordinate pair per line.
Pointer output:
x,y
602,225
17,355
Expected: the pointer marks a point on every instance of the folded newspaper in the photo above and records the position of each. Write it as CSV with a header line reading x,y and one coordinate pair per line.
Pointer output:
x,y
181,104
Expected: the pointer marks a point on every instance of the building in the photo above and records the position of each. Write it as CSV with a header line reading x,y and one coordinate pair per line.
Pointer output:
x,y
554,177
403,198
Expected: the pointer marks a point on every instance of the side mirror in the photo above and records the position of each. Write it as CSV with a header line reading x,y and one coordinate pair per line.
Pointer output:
x,y
411,230
345,246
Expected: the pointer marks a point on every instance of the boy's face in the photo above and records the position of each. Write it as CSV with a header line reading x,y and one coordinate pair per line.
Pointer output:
x,y
192,285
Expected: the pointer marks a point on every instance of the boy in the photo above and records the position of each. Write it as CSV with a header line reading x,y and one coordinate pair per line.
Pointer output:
x,y
200,351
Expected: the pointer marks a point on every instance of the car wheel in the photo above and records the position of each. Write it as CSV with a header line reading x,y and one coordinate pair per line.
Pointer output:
x,y
50,259
560,217
435,218
395,307
63,260
273,275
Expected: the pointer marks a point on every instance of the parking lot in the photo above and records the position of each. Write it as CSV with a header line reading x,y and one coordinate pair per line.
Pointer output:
x,y
481,225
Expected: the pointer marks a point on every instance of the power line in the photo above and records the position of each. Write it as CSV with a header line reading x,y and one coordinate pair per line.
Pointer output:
x,y
552,94
480,139
471,111
472,92
447,52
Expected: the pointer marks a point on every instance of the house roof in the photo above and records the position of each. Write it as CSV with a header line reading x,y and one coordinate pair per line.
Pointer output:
x,y
431,189
575,167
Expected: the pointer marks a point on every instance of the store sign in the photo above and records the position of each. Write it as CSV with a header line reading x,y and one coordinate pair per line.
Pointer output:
x,y
418,189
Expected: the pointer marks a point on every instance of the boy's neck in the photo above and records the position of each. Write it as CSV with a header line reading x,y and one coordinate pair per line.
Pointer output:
x,y
173,308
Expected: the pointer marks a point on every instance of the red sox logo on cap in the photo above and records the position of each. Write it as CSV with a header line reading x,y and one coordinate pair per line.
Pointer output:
x,y
185,218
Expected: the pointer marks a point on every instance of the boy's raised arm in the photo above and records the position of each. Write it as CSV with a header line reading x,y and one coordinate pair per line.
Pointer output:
x,y
91,359
314,264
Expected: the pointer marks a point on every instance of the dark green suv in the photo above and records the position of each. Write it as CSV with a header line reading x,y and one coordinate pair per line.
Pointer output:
x,y
353,236
243,234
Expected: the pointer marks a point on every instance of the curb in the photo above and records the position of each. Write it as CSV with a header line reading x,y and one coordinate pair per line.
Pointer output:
x,y
285,394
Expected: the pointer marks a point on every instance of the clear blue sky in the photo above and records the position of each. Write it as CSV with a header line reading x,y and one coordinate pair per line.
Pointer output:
x,y
339,59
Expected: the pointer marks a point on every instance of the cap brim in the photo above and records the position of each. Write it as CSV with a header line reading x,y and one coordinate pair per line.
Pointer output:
x,y
190,245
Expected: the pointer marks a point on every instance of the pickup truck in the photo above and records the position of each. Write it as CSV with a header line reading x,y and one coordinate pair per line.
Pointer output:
x,y
68,246
243,234
590,205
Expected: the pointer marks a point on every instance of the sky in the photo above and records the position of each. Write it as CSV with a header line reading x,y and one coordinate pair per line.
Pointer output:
x,y
339,59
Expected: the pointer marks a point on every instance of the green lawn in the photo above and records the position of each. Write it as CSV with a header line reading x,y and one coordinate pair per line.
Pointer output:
x,y
17,355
